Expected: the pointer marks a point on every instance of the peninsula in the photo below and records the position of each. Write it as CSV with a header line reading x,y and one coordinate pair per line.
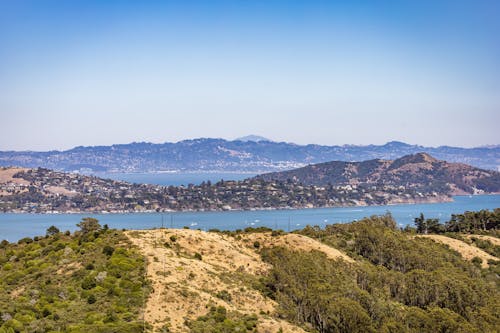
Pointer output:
x,y
411,179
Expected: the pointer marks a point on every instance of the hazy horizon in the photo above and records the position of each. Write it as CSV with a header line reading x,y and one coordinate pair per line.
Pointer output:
x,y
86,73
270,139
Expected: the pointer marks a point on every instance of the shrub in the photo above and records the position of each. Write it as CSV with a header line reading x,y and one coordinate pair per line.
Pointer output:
x,y
224,295
108,250
25,240
278,232
91,299
477,261
88,283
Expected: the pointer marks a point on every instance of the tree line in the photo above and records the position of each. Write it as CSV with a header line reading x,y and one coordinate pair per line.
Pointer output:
x,y
467,222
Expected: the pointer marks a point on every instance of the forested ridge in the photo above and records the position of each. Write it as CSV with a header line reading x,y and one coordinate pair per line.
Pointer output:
x,y
399,283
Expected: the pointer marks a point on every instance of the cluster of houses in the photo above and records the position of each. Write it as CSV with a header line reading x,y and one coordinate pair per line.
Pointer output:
x,y
46,191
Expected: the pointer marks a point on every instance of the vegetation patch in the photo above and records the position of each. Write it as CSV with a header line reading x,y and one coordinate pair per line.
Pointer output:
x,y
91,281
399,284
218,319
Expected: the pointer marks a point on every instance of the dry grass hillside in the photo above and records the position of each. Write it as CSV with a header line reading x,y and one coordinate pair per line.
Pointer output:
x,y
7,175
467,251
190,269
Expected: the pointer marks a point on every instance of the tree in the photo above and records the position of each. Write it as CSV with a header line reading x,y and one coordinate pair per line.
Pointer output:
x,y
421,225
434,226
52,230
88,225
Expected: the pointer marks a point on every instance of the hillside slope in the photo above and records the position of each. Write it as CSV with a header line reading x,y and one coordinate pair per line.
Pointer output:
x,y
190,269
72,283
467,251
420,171
364,276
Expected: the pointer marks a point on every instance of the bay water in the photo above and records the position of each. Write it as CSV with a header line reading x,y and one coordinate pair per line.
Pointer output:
x,y
16,226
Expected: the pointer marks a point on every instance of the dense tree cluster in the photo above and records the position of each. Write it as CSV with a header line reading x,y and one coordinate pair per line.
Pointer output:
x,y
399,283
468,222
92,281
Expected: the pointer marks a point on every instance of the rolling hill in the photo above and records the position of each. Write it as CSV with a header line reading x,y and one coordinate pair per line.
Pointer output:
x,y
364,276
418,170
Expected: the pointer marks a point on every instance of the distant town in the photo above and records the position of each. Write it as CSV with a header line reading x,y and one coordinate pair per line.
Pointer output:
x,y
45,191
410,179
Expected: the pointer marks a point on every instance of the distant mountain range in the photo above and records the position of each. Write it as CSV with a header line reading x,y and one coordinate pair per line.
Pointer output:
x,y
420,171
250,154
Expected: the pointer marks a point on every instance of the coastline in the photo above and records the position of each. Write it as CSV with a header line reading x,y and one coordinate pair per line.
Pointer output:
x,y
393,202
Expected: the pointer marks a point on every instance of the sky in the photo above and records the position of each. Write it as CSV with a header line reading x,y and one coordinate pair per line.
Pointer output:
x,y
89,72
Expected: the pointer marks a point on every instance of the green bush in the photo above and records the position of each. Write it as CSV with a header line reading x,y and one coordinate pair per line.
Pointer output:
x,y
108,250
218,319
224,295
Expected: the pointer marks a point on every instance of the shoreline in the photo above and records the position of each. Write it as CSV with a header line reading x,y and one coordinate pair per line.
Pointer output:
x,y
390,203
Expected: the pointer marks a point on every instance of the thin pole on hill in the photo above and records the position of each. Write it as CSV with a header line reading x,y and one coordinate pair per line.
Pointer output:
x,y
144,296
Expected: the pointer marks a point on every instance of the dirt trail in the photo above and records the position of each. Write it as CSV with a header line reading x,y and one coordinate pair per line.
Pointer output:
x,y
183,285
467,251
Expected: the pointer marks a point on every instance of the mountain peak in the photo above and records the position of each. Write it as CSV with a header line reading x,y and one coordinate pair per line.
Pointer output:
x,y
397,144
254,138
417,158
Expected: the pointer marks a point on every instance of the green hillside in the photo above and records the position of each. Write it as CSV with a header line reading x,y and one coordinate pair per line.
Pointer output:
x,y
92,281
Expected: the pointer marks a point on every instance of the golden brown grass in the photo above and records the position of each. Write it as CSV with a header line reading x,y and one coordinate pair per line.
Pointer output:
x,y
467,251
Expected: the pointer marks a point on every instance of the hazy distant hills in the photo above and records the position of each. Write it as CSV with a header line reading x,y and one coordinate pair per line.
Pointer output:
x,y
254,138
252,154
419,170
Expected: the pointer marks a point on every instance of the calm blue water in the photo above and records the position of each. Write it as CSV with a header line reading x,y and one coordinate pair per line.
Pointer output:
x,y
175,179
16,226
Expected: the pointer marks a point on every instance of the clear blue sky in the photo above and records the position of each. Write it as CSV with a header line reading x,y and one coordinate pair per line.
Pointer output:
x,y
329,72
